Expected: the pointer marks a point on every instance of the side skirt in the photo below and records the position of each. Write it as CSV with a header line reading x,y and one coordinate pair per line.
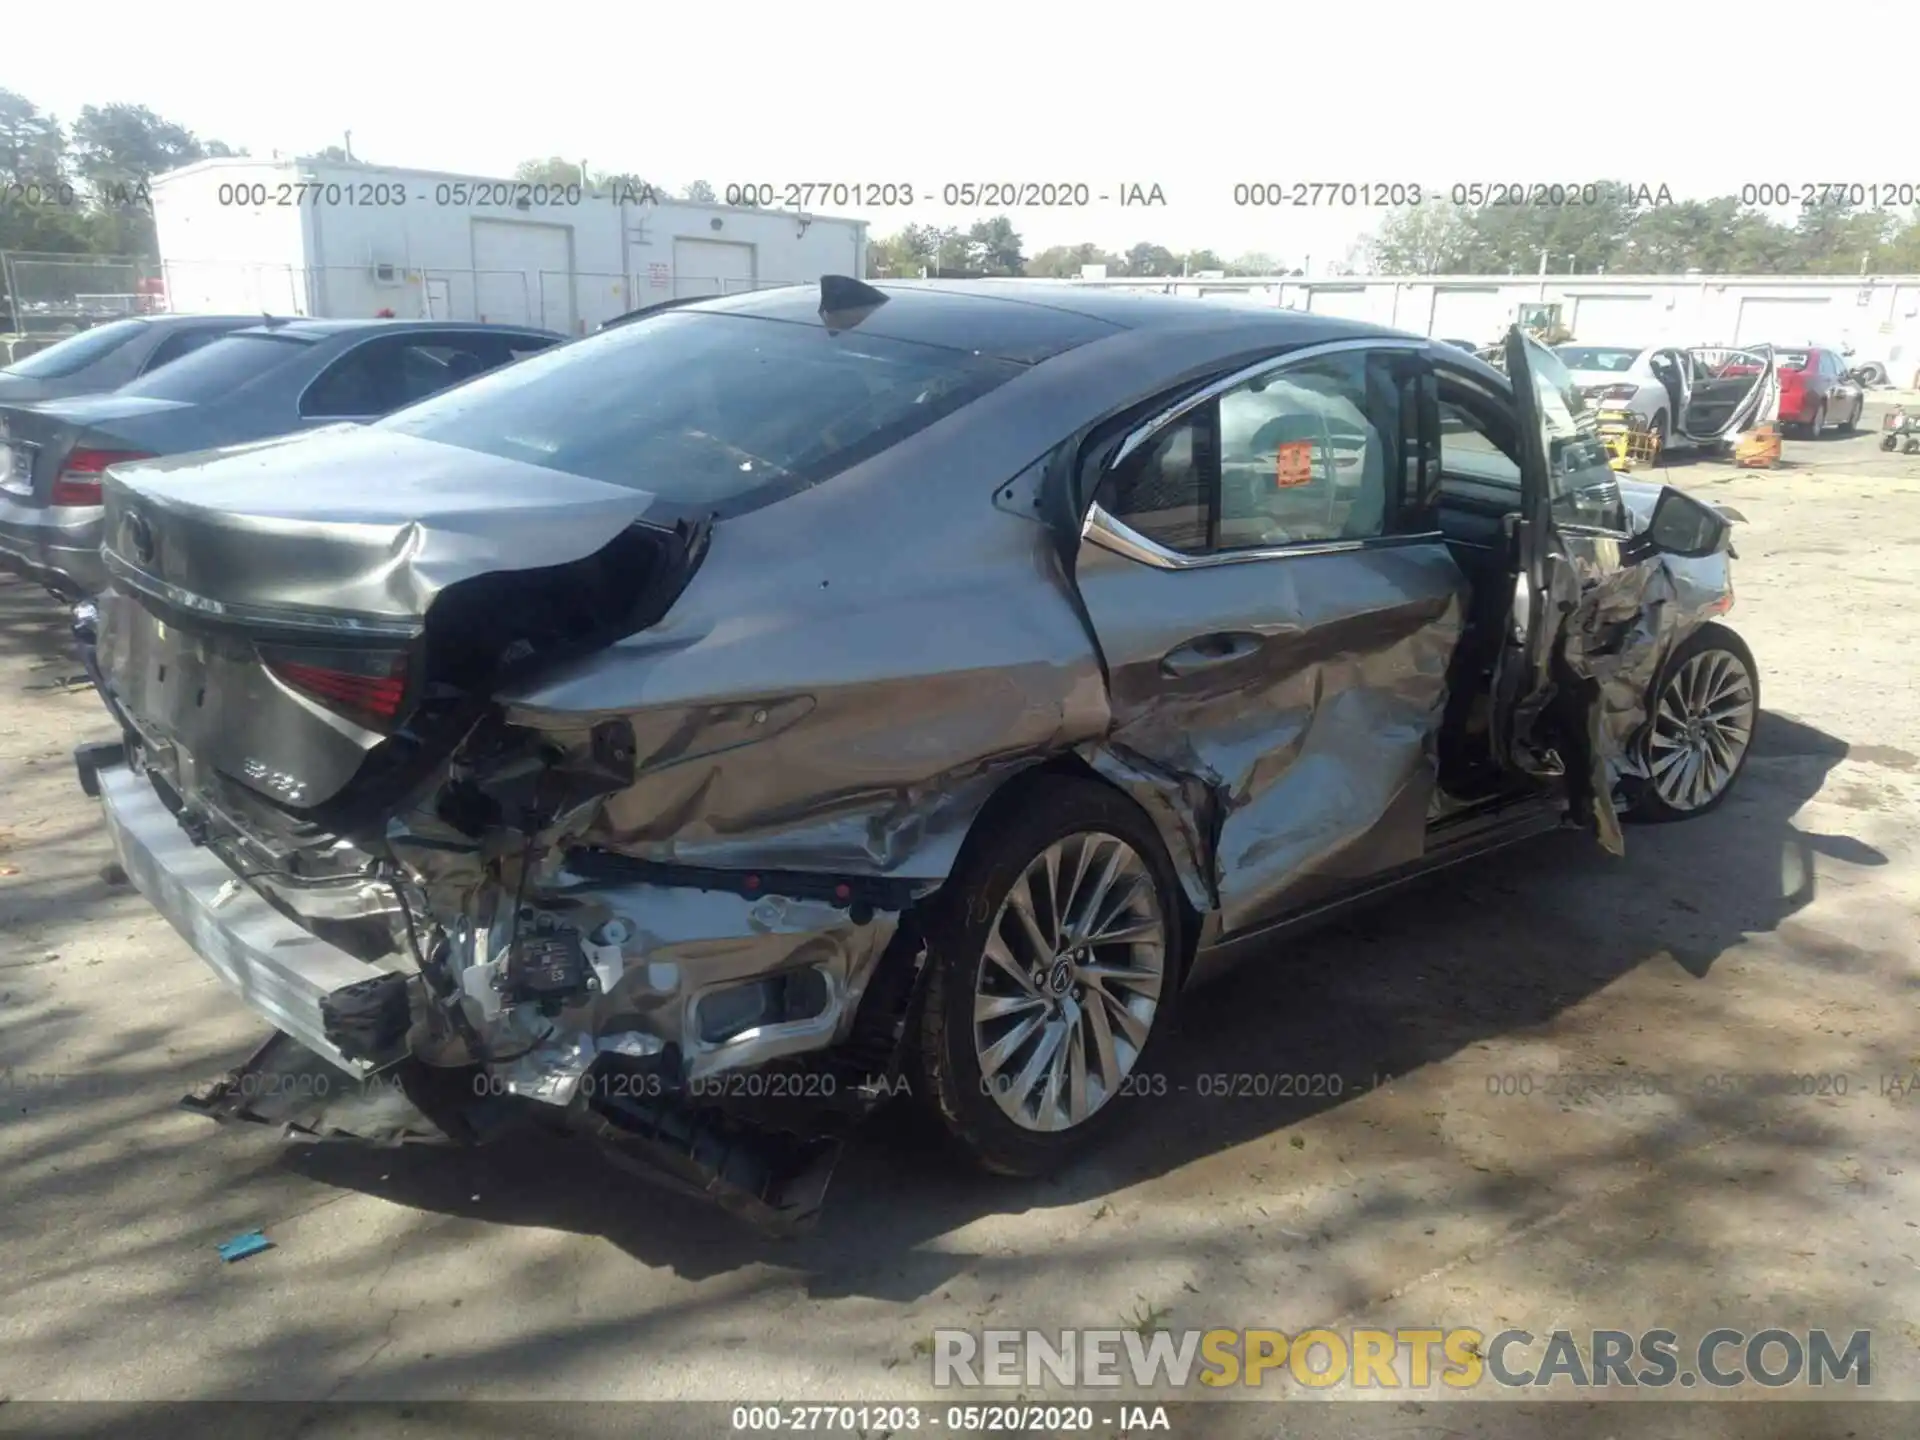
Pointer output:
x,y
1461,838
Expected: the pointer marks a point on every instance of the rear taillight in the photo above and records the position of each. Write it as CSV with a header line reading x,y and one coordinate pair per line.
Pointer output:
x,y
366,686
79,479
1618,394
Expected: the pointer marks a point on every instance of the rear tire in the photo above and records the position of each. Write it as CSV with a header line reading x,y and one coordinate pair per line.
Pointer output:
x,y
1702,717
1817,426
1032,1034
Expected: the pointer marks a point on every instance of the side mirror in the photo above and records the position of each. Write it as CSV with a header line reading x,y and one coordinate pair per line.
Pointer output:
x,y
1681,526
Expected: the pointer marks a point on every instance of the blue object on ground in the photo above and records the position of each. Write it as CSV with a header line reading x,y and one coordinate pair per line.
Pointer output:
x,y
241,1246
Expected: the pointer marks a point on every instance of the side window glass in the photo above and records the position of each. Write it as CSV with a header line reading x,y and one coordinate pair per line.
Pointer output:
x,y
1467,451
1302,458
1161,490
428,368
352,388
181,342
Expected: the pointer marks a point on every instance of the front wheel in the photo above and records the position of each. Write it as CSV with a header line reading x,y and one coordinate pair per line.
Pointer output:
x,y
1055,951
1852,422
1701,720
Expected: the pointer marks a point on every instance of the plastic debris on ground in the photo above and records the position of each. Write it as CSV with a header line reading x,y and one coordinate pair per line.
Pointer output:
x,y
241,1246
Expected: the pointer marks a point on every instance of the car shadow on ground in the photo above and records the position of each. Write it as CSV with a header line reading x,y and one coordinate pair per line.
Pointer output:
x,y
1499,945
34,624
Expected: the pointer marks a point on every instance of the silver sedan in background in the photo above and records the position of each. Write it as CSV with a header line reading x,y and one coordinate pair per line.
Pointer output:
x,y
269,379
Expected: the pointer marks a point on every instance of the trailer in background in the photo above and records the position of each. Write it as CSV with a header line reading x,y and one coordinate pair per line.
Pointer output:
x,y
343,240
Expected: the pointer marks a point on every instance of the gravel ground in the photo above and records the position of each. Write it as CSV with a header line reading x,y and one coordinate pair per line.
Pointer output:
x,y
1773,938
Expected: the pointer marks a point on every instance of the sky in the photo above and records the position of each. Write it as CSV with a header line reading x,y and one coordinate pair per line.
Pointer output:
x,y
1368,94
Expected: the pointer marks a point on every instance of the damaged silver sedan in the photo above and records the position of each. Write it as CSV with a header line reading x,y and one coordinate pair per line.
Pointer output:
x,y
702,731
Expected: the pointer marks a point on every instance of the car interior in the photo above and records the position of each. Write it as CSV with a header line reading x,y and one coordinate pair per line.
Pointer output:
x,y
1666,369
1281,481
1716,393
1479,488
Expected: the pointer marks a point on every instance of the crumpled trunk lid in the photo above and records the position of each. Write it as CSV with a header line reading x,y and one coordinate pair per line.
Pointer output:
x,y
348,525
283,611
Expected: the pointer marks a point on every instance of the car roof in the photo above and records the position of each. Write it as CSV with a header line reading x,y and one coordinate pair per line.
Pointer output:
x,y
326,329
168,321
1028,321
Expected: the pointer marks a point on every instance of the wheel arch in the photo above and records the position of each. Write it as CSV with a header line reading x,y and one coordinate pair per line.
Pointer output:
x,y
1193,893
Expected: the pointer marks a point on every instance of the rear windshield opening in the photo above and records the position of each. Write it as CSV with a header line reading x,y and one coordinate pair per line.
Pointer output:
x,y
217,368
708,411
1593,357
1790,359
76,352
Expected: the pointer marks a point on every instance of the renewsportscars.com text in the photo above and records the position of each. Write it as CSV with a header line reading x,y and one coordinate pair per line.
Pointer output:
x,y
1406,1358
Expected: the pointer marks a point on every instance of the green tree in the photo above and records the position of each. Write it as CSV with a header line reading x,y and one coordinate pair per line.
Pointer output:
x,y
1257,262
554,171
118,147
1065,262
1195,261
1833,237
33,147
1422,240
699,190
1900,252
1147,258
993,246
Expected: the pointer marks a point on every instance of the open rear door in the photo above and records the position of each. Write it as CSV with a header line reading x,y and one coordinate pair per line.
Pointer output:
x,y
1732,390
1546,719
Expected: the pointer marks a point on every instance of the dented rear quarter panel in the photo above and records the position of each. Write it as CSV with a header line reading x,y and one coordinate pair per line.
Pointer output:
x,y
856,669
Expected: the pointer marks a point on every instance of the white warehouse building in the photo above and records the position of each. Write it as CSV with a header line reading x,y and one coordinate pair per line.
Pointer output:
x,y
1877,316
340,240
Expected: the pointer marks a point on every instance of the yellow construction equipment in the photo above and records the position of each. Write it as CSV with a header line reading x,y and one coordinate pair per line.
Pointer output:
x,y
1631,443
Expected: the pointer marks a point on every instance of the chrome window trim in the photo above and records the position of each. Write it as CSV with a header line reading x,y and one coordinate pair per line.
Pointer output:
x,y
1148,429
1111,533
1122,539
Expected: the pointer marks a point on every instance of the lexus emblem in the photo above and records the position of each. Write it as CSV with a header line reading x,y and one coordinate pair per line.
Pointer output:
x,y
140,537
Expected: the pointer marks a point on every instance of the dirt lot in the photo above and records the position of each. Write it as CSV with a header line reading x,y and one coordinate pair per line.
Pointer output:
x,y
1776,938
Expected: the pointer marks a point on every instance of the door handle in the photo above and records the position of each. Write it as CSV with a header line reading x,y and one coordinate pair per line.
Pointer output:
x,y
1205,651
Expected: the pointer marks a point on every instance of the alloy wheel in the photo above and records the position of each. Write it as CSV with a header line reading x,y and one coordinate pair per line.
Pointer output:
x,y
1069,981
1701,729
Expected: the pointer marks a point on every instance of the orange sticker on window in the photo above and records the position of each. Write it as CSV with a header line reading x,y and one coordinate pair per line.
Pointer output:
x,y
1293,464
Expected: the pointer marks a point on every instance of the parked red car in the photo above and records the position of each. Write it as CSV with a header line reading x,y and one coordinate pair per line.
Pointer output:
x,y
1815,391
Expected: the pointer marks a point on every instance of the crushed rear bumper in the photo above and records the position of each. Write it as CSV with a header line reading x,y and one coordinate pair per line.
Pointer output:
x,y
760,1141
298,981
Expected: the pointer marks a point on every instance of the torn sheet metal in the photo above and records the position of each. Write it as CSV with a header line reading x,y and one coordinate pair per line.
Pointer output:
x,y
726,981
243,522
1315,749
1640,615
820,699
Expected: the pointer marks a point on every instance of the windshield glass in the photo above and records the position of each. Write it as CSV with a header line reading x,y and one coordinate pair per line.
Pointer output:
x,y
76,352
1790,359
213,370
706,409
1596,357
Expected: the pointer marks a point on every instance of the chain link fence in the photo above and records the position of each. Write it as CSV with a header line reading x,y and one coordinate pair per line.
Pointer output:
x,y
54,294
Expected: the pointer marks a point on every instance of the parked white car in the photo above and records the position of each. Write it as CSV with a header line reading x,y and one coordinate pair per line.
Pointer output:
x,y
1699,396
